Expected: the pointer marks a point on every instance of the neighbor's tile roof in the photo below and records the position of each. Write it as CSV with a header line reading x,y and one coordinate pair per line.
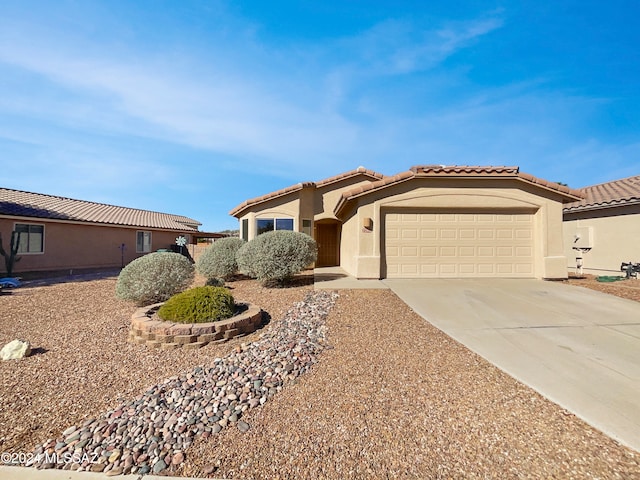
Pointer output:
x,y
26,204
606,195
299,186
441,171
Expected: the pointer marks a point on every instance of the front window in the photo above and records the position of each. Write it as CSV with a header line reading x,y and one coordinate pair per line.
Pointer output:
x,y
245,229
143,242
306,227
270,224
31,238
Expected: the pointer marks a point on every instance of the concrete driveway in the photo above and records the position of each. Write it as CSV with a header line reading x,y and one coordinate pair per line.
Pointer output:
x,y
577,347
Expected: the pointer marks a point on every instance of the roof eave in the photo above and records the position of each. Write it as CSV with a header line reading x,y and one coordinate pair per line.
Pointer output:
x,y
601,206
240,209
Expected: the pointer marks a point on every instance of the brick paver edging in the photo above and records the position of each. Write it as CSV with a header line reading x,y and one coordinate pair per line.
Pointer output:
x,y
167,335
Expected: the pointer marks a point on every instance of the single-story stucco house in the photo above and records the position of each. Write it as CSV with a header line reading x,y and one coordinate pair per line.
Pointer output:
x,y
60,233
605,225
431,221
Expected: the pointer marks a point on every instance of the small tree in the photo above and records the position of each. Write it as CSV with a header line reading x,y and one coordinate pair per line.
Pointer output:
x,y
11,258
277,256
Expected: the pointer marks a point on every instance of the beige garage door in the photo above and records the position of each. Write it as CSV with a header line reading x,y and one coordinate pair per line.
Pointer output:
x,y
426,245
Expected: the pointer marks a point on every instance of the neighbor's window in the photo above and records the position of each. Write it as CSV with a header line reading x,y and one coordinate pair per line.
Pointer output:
x,y
269,224
31,238
143,242
306,227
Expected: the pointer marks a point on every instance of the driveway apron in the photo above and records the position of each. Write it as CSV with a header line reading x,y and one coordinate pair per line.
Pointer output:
x,y
577,347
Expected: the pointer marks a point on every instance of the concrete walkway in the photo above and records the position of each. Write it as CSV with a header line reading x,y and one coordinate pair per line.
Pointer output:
x,y
335,278
577,347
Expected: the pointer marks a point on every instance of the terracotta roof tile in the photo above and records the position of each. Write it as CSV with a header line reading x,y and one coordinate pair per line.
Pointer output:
x,y
457,171
610,194
26,204
299,186
349,174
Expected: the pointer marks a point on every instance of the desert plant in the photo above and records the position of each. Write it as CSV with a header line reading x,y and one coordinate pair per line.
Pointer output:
x,y
276,256
197,305
215,282
219,260
11,258
154,278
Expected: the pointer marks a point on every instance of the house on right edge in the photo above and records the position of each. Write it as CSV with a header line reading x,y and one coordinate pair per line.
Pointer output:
x,y
604,226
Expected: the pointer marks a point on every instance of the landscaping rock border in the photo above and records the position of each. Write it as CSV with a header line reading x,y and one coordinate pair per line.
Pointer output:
x,y
146,329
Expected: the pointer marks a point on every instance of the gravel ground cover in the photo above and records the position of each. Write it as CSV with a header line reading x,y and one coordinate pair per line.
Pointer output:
x,y
82,365
629,289
393,398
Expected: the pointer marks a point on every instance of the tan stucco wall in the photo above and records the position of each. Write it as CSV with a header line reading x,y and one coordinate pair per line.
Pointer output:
x,y
328,196
75,246
361,249
614,238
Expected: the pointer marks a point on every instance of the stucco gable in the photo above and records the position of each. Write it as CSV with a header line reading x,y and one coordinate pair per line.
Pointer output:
x,y
326,183
471,172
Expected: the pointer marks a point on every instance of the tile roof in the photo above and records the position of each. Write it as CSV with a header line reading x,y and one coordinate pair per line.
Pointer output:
x,y
441,171
606,195
299,186
26,204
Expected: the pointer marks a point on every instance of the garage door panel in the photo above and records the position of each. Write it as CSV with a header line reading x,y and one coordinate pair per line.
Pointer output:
x,y
430,251
448,234
459,245
428,233
467,234
487,269
486,252
524,268
485,234
448,251
467,251
409,252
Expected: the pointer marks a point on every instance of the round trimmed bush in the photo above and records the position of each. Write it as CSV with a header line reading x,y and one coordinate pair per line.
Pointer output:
x,y
154,278
219,260
277,256
198,305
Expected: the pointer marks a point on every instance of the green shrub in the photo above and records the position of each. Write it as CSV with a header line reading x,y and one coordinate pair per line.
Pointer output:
x,y
276,256
219,260
154,278
197,305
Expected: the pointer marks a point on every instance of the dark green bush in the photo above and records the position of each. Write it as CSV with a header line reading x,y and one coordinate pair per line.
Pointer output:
x,y
154,278
215,282
198,305
219,260
277,256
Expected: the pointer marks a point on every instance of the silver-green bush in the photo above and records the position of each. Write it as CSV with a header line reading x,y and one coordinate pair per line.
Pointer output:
x,y
277,256
154,278
219,260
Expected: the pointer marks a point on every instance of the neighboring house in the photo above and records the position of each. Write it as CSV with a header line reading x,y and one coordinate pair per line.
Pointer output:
x,y
607,223
429,222
60,233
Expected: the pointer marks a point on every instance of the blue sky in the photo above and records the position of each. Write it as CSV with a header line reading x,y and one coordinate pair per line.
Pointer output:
x,y
191,107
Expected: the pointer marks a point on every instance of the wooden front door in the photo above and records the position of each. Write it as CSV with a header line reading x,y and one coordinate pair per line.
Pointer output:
x,y
327,238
